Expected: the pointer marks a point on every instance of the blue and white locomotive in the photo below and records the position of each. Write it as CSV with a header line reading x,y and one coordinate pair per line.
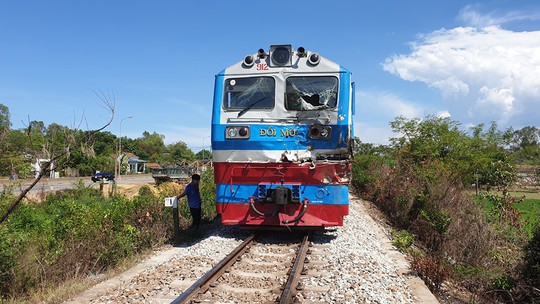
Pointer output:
x,y
282,130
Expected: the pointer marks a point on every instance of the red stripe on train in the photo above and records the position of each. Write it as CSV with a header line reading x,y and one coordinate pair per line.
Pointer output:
x,y
306,174
315,216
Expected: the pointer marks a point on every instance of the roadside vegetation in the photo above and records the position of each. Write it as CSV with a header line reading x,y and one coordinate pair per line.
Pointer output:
x,y
70,235
79,233
426,182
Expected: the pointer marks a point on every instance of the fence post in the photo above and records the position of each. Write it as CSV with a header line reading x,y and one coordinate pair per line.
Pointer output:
x,y
176,222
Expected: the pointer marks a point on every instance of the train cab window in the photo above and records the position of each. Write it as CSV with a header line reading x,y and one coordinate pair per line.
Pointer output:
x,y
249,93
311,93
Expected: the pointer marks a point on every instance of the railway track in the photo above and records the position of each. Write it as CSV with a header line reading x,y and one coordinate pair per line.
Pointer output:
x,y
256,268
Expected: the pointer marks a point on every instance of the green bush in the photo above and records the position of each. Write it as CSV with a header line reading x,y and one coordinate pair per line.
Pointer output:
x,y
427,202
74,233
505,283
208,195
7,259
366,171
402,240
438,219
532,259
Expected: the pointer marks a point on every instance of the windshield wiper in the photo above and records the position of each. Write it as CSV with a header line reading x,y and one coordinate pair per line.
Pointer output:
x,y
250,106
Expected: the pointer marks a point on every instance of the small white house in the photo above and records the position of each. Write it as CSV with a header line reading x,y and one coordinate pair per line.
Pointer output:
x,y
36,167
131,163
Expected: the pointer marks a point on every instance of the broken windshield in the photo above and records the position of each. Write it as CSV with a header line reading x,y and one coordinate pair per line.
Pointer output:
x,y
311,93
249,93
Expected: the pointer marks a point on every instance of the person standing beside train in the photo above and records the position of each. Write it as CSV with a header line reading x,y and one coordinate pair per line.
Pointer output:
x,y
194,199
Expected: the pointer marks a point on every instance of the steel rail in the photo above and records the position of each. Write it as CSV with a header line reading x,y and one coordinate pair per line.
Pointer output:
x,y
213,274
296,270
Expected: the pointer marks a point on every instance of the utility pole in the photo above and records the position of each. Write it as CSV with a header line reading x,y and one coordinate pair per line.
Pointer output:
x,y
120,146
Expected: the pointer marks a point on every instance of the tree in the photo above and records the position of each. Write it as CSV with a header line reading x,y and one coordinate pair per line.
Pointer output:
x,y
59,154
480,155
204,155
433,137
104,143
362,148
5,123
525,137
525,145
150,146
181,152
529,155
5,155
15,146
486,151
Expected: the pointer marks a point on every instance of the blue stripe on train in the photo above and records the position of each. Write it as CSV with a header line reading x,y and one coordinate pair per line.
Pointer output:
x,y
278,137
317,194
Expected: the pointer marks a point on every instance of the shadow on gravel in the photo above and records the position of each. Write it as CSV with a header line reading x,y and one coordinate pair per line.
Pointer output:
x,y
293,237
191,236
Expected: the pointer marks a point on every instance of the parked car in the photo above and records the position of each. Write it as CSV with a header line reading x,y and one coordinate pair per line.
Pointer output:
x,y
102,176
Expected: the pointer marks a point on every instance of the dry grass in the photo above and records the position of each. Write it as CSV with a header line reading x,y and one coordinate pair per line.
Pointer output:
x,y
132,190
77,285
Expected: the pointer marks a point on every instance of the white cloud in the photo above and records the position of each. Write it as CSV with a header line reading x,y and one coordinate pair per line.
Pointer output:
x,y
387,104
444,114
470,16
373,133
376,109
488,74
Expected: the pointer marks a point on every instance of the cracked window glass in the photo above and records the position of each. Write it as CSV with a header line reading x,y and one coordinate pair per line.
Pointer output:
x,y
311,93
249,93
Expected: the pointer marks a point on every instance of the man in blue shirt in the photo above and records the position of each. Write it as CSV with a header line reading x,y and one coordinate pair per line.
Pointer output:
x,y
194,199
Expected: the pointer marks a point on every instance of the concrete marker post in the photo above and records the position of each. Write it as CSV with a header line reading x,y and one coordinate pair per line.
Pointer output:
x,y
176,222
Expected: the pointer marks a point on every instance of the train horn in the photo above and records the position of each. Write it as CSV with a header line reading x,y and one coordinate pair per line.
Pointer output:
x,y
301,52
261,54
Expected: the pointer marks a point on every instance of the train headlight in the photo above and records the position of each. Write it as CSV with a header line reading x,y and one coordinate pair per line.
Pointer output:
x,y
249,61
243,131
232,132
237,132
320,132
314,59
280,55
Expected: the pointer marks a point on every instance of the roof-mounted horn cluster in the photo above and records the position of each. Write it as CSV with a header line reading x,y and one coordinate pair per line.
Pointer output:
x,y
281,56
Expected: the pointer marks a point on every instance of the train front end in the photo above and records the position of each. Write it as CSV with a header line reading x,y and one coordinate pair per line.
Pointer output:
x,y
282,131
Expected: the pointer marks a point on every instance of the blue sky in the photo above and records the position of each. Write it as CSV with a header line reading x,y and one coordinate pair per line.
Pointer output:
x,y
476,62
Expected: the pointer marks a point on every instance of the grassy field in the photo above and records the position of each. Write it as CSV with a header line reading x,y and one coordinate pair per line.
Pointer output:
x,y
529,208
534,195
